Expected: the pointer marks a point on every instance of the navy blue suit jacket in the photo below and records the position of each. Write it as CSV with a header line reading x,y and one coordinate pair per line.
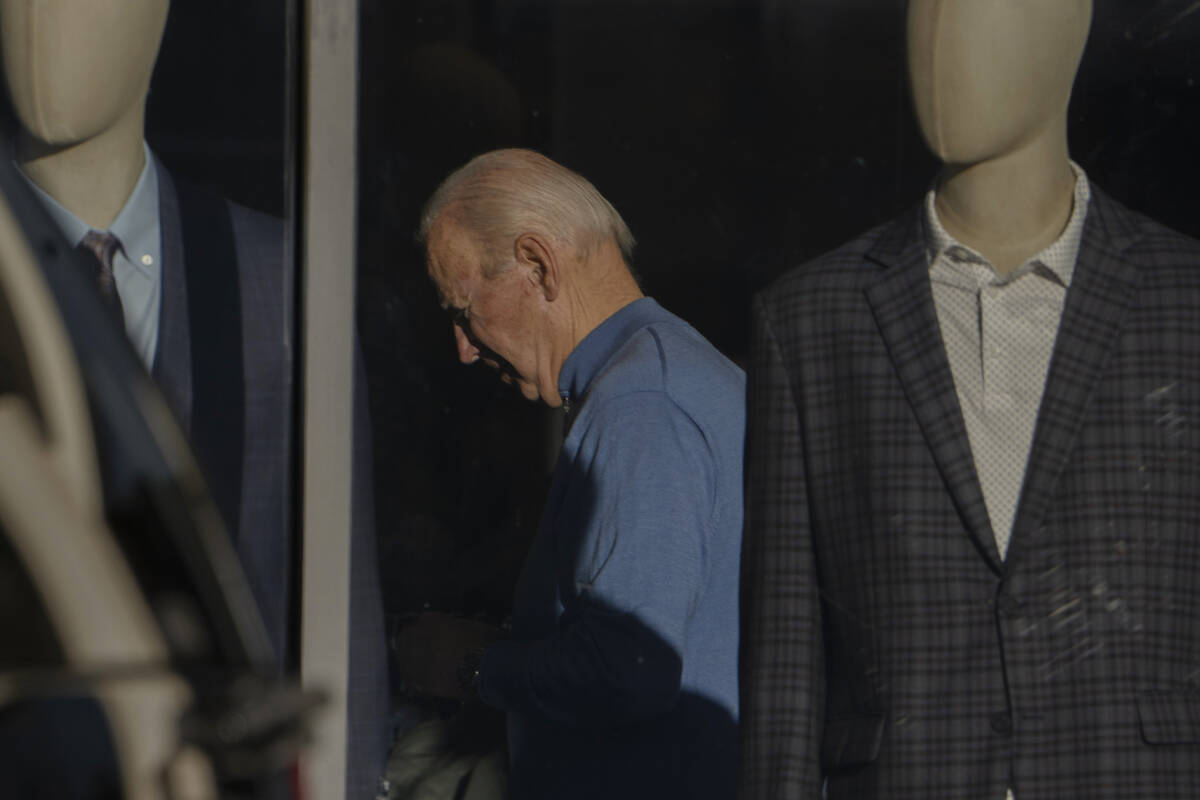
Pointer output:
x,y
261,529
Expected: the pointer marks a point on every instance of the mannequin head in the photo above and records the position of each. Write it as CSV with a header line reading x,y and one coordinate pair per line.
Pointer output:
x,y
991,76
74,70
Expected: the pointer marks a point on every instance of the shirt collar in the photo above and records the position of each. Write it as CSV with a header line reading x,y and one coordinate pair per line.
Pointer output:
x,y
591,354
1058,257
136,224
72,226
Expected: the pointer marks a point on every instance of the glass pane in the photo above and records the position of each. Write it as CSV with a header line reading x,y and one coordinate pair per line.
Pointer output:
x,y
160,139
738,138
142,138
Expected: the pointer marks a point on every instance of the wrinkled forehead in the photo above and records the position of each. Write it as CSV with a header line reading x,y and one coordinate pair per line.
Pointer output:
x,y
438,276
450,261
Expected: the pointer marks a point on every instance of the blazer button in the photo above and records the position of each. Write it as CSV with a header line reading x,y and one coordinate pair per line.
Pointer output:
x,y
1010,607
1002,723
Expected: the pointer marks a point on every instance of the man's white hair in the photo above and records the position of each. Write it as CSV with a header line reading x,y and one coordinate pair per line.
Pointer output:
x,y
499,195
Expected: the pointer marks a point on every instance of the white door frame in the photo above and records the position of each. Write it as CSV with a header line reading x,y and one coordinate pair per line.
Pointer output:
x,y
329,234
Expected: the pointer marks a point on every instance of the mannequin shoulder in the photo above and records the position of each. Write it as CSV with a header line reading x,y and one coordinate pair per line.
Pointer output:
x,y
253,224
258,236
1151,246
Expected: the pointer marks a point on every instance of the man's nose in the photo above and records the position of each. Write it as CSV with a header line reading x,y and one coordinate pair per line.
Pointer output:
x,y
467,352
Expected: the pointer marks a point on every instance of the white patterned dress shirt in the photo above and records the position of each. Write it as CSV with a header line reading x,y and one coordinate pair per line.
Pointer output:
x,y
999,333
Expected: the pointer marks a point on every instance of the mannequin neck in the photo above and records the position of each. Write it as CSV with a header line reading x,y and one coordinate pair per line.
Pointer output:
x,y
92,178
1010,207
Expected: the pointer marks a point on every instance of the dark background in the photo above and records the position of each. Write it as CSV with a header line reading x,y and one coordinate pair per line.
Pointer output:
x,y
215,112
736,138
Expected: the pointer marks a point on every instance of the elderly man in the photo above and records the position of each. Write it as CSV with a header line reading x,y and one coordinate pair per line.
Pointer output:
x,y
620,679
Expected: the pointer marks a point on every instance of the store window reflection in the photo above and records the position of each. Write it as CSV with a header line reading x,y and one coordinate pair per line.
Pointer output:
x,y
199,281
162,139
174,182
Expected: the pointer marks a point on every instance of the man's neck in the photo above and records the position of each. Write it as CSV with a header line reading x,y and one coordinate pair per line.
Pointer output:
x,y
92,178
598,290
1011,207
607,289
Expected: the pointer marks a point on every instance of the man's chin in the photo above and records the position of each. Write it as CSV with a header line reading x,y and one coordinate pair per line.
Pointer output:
x,y
527,389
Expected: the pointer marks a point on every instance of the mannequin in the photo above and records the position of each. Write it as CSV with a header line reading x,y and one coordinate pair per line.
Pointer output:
x,y
81,138
956,424
78,78
202,285
990,83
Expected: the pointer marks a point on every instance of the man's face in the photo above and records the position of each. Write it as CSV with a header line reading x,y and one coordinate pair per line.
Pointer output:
x,y
495,320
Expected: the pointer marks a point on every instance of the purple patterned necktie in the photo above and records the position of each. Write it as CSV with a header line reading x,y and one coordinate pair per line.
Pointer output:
x,y
102,247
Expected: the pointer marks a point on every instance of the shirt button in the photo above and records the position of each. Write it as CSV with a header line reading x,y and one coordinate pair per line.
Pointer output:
x,y
1002,723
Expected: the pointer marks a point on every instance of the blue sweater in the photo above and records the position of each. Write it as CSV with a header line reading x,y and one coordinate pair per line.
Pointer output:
x,y
620,680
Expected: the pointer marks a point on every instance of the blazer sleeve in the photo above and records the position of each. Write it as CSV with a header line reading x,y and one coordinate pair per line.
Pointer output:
x,y
781,667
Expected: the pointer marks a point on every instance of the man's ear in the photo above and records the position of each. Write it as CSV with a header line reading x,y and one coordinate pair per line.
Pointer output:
x,y
539,258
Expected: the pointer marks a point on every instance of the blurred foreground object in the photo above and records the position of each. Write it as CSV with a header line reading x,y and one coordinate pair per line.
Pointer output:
x,y
133,660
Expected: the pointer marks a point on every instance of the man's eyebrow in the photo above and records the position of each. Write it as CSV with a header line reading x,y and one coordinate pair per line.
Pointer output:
x,y
449,305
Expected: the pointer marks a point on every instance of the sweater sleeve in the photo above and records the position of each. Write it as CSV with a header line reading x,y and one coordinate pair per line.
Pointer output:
x,y
631,536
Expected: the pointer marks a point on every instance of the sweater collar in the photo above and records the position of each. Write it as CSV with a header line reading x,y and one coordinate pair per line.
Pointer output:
x,y
601,344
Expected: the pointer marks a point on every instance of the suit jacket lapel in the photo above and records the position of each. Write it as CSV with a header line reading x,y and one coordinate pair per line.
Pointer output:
x,y
173,354
902,301
1102,286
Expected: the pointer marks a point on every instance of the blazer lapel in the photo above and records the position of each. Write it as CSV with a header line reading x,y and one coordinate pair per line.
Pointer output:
x,y
172,367
1102,287
902,301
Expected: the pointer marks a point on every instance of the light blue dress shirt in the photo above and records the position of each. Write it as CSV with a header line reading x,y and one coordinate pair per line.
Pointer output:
x,y
137,266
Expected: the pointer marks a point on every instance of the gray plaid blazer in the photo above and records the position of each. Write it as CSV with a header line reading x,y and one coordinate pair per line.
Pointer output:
x,y
887,650
261,532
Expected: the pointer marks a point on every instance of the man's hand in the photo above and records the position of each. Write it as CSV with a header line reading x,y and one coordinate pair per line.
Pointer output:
x,y
428,651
